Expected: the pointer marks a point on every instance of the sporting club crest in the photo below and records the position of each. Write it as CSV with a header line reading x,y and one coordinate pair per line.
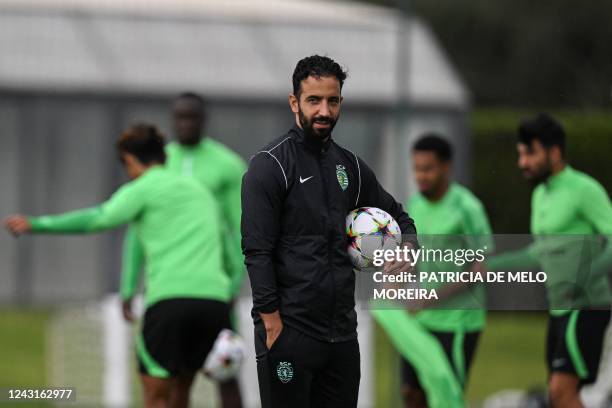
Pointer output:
x,y
284,372
342,176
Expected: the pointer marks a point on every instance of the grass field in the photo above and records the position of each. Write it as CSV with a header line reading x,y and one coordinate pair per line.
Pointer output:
x,y
22,341
510,355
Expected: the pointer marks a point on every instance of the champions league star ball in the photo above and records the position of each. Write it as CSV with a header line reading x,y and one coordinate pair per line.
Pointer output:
x,y
224,360
370,229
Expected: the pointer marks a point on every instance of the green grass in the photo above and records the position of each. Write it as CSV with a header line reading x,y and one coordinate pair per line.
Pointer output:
x,y
386,368
22,350
510,355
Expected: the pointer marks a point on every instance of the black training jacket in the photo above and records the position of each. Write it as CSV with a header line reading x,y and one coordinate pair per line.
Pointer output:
x,y
296,195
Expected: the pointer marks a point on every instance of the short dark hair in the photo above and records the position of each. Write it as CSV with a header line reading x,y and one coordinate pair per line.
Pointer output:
x,y
432,142
144,141
199,99
318,67
543,128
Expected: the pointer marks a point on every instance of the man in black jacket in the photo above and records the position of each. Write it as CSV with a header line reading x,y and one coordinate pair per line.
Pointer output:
x,y
296,195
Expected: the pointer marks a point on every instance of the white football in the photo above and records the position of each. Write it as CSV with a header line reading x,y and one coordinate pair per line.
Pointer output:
x,y
370,229
225,359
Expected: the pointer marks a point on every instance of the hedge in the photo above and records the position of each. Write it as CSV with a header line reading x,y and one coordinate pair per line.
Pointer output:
x,y
496,179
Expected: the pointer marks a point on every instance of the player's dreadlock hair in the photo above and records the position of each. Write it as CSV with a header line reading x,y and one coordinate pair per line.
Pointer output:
x,y
144,141
432,142
543,128
318,67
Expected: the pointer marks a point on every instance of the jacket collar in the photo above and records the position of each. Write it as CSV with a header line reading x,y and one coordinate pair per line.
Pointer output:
x,y
311,142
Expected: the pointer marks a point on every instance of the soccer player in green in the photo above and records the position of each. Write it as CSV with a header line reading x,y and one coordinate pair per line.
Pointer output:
x,y
567,202
449,216
217,168
214,166
177,222
220,171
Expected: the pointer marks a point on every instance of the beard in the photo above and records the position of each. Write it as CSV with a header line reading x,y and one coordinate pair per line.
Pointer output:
x,y
429,193
308,125
539,175
189,139
434,190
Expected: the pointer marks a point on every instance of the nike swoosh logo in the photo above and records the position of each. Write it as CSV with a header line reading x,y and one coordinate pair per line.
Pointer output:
x,y
302,181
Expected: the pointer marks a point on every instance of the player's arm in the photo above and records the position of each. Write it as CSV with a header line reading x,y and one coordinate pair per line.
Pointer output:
x,y
597,209
263,190
452,289
524,259
374,195
230,204
131,268
120,209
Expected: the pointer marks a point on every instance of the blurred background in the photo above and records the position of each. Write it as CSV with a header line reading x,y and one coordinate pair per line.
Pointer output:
x,y
73,73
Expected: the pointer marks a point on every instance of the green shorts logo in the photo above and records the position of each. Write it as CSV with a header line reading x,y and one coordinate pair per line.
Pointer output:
x,y
284,372
342,176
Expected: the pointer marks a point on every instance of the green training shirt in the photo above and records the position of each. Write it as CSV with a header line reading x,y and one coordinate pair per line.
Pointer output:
x,y
177,223
220,170
458,220
565,210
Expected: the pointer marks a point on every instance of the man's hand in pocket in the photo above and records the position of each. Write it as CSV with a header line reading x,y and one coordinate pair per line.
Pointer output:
x,y
274,327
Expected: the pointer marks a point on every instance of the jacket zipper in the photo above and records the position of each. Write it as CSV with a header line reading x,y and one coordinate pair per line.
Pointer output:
x,y
329,242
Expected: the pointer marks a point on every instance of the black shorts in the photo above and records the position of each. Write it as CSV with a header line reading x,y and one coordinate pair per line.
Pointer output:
x,y
299,371
177,335
575,342
459,348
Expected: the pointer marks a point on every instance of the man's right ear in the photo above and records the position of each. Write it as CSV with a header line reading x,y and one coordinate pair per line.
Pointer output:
x,y
294,103
556,153
128,159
